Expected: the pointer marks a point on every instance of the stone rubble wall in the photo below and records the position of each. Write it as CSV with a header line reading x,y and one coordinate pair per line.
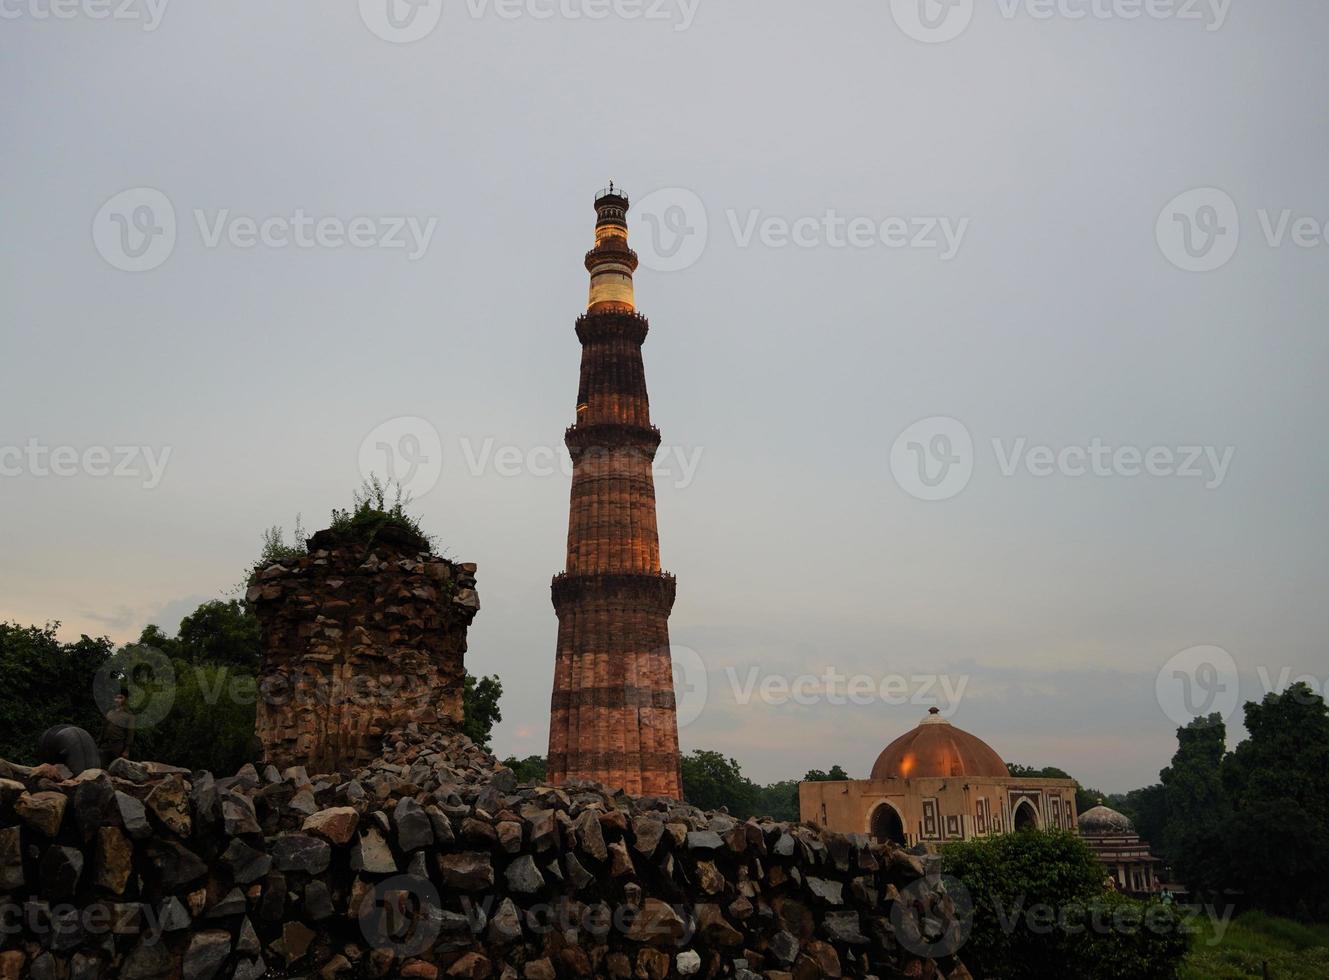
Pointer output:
x,y
358,640
432,862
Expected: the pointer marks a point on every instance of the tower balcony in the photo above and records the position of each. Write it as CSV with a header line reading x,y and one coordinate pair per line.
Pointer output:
x,y
613,325
657,590
610,437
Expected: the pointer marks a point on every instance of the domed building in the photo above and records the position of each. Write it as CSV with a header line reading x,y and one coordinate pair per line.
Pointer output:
x,y
935,784
1126,858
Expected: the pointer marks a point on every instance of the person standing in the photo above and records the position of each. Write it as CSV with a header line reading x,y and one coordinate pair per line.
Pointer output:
x,y
118,732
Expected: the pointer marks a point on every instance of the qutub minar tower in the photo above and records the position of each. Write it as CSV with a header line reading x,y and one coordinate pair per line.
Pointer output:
x,y
613,716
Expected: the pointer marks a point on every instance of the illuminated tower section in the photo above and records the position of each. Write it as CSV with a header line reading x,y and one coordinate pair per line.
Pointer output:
x,y
613,717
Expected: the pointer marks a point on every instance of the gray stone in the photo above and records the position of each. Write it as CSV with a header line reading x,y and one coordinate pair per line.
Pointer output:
x,y
468,870
248,943
523,876
648,832
150,960
372,854
173,916
414,829
298,852
60,871
133,772
247,864
207,952
250,970
133,816
238,816
784,947
590,838
505,926
232,904
577,874
704,840
318,902
830,892
843,927
176,864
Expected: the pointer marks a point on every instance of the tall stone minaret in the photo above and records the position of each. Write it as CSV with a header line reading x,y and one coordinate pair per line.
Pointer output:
x,y
613,715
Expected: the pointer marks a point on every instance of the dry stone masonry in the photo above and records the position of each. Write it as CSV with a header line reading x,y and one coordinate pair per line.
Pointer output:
x,y
359,638
430,862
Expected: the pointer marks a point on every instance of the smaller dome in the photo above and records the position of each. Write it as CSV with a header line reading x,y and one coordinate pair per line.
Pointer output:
x,y
938,748
1105,820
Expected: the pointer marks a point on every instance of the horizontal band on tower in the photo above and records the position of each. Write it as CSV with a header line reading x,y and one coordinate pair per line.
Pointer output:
x,y
609,253
573,763
655,592
617,325
614,697
610,437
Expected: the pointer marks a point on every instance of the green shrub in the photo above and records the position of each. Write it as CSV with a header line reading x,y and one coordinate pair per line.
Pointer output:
x,y
1041,910
46,683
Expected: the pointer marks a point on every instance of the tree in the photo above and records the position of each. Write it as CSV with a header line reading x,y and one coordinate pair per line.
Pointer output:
x,y
1278,781
1147,809
711,781
480,699
46,683
836,775
224,633
208,722
1041,910
1198,807
532,769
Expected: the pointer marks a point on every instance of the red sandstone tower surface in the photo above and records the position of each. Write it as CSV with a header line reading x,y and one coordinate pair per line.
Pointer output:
x,y
613,716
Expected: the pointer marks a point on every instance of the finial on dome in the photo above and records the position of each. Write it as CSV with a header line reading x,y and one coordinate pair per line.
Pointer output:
x,y
934,710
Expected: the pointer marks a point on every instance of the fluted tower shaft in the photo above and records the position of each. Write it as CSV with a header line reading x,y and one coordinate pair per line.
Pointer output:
x,y
613,716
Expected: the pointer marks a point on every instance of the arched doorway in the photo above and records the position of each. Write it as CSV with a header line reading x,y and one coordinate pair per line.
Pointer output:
x,y
1025,816
887,825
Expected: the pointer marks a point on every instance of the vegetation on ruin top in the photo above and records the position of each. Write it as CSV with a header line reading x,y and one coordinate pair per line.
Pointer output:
x,y
378,515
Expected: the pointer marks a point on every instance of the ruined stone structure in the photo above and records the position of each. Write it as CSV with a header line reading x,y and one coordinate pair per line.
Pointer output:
x,y
432,863
1126,859
359,638
934,784
613,717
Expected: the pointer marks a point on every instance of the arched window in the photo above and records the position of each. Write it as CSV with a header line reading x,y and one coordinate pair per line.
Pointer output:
x,y
887,825
1025,816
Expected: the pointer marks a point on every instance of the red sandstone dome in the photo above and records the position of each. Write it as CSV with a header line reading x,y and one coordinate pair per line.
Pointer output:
x,y
938,748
